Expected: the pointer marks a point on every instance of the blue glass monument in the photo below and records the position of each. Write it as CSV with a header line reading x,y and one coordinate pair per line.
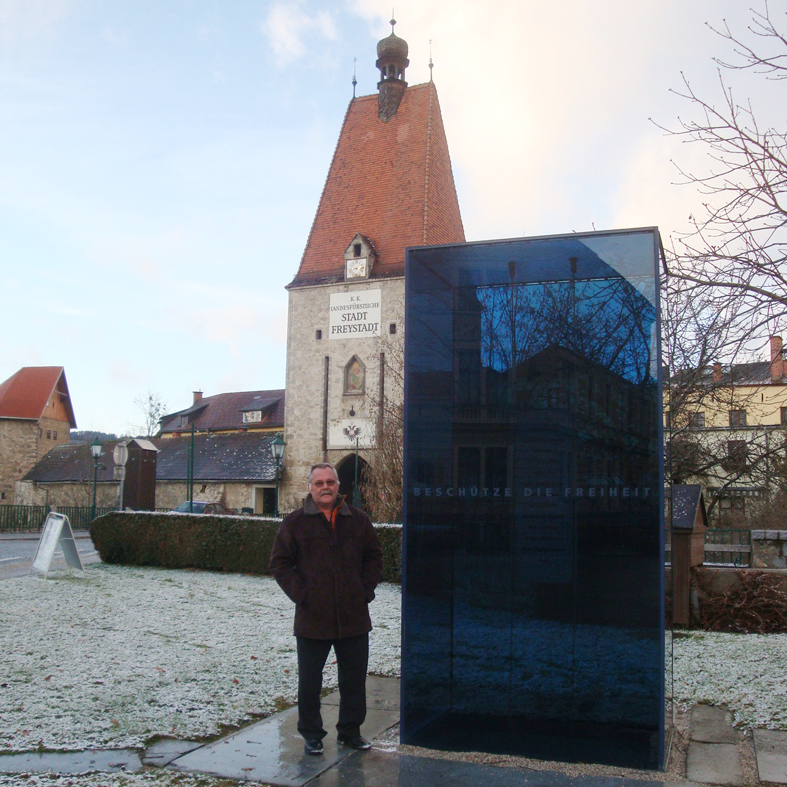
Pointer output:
x,y
533,579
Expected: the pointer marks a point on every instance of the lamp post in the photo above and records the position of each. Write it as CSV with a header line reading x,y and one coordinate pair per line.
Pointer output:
x,y
277,449
95,450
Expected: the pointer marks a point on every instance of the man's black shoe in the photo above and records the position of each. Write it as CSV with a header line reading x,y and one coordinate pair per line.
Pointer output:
x,y
355,742
313,746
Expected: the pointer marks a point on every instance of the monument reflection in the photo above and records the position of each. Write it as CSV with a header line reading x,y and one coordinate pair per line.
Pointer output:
x,y
533,552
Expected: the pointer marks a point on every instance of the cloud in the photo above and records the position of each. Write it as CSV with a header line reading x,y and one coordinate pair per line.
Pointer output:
x,y
286,26
22,20
225,324
67,311
122,372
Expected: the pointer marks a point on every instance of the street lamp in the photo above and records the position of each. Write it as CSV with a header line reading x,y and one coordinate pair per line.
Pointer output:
x,y
95,450
277,449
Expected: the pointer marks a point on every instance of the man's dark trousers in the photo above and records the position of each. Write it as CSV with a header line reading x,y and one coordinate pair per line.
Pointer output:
x,y
352,657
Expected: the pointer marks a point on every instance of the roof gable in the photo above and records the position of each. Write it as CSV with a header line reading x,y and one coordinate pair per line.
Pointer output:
x,y
390,181
225,411
25,394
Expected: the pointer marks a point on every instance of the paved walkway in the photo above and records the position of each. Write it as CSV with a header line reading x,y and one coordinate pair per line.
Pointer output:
x,y
17,551
271,752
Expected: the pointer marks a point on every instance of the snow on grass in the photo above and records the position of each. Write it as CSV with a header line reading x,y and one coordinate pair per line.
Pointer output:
x,y
127,654
747,672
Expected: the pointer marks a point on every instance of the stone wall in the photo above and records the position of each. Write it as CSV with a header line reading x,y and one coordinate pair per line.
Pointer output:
x,y
234,495
18,453
22,444
169,494
69,493
305,425
50,434
769,548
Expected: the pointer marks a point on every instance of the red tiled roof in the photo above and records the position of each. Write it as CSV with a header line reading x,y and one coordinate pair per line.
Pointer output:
x,y
390,181
26,393
225,411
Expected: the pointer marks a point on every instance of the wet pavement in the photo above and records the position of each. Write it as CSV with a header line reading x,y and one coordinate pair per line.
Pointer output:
x,y
17,551
70,762
271,751
378,769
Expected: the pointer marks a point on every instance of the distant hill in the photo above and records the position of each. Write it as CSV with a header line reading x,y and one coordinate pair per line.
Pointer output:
x,y
87,436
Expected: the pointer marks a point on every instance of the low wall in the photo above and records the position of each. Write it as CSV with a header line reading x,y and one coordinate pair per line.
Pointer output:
x,y
769,548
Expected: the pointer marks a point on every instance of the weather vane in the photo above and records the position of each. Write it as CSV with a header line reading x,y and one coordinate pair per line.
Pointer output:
x,y
355,81
431,64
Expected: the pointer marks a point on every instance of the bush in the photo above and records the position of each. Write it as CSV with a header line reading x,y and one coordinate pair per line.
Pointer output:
x,y
756,603
239,544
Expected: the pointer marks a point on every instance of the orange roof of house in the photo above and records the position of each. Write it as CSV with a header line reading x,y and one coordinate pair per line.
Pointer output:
x,y
25,394
391,181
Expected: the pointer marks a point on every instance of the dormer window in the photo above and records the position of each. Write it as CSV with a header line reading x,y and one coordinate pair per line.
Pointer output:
x,y
359,258
252,417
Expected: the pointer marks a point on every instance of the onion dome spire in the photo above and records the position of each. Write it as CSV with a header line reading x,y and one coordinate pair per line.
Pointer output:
x,y
392,61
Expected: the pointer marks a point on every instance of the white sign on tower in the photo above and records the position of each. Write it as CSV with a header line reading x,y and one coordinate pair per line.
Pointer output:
x,y
355,315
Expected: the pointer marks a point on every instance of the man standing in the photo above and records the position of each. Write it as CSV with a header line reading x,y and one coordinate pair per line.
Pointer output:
x,y
328,560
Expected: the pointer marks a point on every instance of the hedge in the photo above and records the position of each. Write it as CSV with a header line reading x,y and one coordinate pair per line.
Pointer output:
x,y
239,544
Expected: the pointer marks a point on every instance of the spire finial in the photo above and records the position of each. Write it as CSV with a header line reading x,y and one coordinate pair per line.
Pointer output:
x,y
431,64
355,81
393,21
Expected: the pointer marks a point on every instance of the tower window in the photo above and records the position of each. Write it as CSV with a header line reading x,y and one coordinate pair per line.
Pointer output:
x,y
318,335
392,328
356,249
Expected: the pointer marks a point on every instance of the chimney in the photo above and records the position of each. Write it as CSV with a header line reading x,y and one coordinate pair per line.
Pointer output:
x,y
717,372
777,359
197,396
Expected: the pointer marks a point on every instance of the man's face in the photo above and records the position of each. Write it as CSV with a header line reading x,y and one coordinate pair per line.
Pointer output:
x,y
324,487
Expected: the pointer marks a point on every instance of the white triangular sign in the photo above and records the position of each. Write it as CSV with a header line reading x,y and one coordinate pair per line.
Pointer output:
x,y
56,532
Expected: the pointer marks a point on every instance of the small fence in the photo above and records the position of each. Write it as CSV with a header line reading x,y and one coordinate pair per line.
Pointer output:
x,y
728,547
30,519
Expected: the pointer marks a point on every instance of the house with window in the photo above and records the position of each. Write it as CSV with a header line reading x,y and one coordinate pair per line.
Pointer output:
x,y
227,413
730,434
234,469
36,415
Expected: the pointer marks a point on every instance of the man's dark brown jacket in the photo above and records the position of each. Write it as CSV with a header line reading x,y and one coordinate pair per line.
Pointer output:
x,y
330,572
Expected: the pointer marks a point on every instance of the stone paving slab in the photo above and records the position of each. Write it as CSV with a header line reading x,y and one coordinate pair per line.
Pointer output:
x,y
63,762
271,751
162,752
381,694
714,763
712,724
381,769
771,749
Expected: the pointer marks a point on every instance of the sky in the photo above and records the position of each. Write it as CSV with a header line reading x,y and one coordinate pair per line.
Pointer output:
x,y
162,162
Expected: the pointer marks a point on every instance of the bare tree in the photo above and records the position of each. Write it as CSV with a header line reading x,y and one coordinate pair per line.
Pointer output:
x,y
727,292
737,248
152,408
382,481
